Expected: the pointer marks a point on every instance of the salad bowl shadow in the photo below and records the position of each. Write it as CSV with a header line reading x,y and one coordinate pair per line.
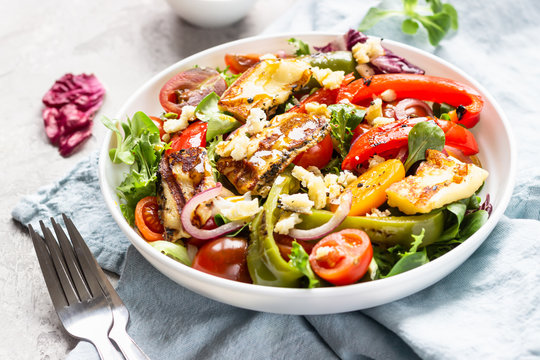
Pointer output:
x,y
497,154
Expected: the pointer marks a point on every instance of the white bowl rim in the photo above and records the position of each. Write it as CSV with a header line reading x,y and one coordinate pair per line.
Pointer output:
x,y
468,246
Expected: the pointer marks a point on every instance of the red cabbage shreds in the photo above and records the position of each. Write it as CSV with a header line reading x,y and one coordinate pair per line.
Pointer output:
x,y
71,104
390,63
345,42
353,37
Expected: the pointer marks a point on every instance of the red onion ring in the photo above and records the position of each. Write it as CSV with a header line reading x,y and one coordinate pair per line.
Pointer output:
x,y
203,234
323,230
402,107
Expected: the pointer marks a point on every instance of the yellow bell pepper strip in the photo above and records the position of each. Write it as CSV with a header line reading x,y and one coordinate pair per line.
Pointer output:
x,y
387,230
265,264
422,87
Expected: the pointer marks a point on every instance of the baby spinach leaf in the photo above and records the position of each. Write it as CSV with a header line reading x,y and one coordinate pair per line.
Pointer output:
x,y
300,260
412,258
218,122
454,216
471,223
424,135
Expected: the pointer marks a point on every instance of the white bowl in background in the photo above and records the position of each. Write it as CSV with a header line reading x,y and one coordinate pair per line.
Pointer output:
x,y
497,153
211,13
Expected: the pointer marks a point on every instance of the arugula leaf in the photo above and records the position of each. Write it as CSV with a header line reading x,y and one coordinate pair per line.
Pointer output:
x,y
424,135
218,122
228,76
141,148
342,122
443,18
412,258
300,260
301,47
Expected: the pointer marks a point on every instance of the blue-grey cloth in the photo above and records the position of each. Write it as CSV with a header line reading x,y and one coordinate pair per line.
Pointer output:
x,y
487,309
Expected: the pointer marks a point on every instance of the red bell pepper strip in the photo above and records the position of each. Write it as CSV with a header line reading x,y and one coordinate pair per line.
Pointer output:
x,y
395,135
192,136
322,96
423,87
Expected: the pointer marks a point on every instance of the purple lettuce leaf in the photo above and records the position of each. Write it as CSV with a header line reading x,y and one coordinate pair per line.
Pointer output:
x,y
390,63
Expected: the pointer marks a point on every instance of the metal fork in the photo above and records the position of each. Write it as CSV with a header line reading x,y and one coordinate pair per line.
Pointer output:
x,y
118,331
78,300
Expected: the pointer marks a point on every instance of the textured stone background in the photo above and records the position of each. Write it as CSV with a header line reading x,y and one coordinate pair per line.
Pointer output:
x,y
124,43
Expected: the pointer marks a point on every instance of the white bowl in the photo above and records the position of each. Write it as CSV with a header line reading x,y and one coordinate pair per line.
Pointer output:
x,y
211,13
496,153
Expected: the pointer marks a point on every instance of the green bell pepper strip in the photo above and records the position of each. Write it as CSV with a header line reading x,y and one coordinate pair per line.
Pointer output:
x,y
388,230
265,264
335,61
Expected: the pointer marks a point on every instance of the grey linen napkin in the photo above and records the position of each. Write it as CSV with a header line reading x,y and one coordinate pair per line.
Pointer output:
x,y
487,308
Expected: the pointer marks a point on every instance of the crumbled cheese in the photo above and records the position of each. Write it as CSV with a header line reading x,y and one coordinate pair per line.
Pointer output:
x,y
365,70
175,125
297,202
268,56
256,121
166,138
365,52
378,213
330,179
376,160
381,120
315,170
317,109
388,95
314,184
334,191
237,207
374,111
286,222
237,148
327,78
345,178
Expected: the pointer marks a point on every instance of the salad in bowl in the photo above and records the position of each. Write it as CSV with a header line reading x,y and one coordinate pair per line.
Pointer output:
x,y
312,165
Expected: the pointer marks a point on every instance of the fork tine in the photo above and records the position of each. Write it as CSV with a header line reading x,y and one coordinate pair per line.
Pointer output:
x,y
71,262
47,268
60,265
85,256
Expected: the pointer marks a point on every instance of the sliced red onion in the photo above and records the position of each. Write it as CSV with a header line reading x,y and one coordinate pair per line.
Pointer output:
x,y
404,108
323,230
203,234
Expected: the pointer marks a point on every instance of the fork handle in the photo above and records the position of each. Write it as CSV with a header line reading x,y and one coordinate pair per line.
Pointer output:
x,y
126,344
106,349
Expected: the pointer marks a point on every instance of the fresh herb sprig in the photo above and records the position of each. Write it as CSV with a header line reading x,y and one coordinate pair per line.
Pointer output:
x,y
437,19
343,120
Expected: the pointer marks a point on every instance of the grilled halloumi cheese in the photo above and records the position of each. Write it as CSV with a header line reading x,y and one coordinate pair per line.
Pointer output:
x,y
270,151
265,86
184,174
438,181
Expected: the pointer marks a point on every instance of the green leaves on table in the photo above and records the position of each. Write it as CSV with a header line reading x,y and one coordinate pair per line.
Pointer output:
x,y
140,147
424,135
437,19
218,122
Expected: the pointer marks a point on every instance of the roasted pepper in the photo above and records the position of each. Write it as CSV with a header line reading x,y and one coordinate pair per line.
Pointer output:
x,y
394,135
387,230
265,264
422,87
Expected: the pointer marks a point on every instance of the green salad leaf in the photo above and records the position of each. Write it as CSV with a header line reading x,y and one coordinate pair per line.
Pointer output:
x,y
140,147
424,135
301,47
437,19
412,258
299,258
218,122
342,122
228,76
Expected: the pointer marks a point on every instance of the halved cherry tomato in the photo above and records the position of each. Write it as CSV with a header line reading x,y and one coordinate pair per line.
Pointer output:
x,y
224,257
342,258
159,124
147,219
284,243
189,88
239,63
423,87
192,136
395,135
318,155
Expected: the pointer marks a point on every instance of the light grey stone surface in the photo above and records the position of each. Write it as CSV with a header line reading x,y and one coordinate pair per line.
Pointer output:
x,y
123,43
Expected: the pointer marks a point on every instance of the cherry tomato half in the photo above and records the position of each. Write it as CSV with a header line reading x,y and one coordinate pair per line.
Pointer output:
x,y
318,155
224,257
239,63
147,219
342,258
192,136
189,88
